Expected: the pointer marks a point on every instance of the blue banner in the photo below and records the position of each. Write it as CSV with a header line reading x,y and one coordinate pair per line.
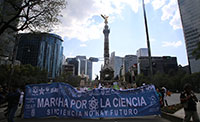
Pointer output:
x,y
62,100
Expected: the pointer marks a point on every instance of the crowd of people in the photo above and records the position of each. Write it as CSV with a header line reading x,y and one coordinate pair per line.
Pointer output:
x,y
162,93
187,98
113,85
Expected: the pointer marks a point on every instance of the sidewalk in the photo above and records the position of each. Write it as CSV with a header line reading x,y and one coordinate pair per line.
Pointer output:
x,y
2,111
2,116
181,113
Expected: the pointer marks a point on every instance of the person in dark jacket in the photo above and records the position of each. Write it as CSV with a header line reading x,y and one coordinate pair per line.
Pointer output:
x,y
13,100
1,95
189,102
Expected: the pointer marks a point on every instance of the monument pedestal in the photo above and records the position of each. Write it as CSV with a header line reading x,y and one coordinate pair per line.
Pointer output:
x,y
107,74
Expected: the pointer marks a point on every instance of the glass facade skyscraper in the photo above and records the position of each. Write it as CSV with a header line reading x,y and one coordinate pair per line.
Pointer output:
x,y
82,65
74,62
89,69
116,63
142,52
43,50
190,16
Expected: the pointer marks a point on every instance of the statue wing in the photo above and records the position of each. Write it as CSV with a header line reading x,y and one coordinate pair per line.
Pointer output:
x,y
103,16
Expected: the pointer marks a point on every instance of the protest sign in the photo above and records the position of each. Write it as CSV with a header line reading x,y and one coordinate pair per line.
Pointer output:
x,y
62,100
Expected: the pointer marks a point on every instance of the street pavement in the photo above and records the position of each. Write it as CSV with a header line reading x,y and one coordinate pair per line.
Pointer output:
x,y
173,99
137,119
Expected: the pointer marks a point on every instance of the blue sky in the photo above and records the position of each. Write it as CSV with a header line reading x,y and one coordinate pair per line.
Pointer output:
x,y
82,27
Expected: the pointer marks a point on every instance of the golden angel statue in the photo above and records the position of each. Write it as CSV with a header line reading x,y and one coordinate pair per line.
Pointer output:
x,y
105,18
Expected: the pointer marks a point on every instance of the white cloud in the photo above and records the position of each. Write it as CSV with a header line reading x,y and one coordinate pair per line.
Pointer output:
x,y
69,54
175,22
152,39
77,21
83,45
169,10
133,3
172,44
146,1
158,4
81,17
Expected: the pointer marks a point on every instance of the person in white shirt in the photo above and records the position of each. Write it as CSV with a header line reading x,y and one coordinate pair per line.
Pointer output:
x,y
21,98
21,103
164,90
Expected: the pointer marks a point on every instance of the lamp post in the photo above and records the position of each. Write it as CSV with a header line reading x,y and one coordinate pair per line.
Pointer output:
x,y
148,43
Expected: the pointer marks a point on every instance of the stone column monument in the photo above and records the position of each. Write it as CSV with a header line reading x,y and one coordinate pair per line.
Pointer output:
x,y
106,72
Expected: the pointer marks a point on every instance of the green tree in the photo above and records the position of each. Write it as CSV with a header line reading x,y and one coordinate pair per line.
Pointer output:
x,y
32,15
142,79
173,81
196,52
27,74
176,80
4,73
22,75
70,79
193,79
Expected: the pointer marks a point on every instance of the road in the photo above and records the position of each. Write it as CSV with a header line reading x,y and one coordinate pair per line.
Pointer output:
x,y
175,98
138,119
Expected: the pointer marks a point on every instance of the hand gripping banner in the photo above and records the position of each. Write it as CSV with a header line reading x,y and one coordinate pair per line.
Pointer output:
x,y
62,100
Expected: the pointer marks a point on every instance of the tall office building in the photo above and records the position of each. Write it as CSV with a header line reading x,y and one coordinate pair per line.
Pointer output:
x,y
43,50
73,62
68,69
82,65
142,52
129,61
116,63
190,16
89,69
82,68
164,64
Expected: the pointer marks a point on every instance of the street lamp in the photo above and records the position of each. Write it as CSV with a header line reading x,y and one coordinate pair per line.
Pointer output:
x,y
148,43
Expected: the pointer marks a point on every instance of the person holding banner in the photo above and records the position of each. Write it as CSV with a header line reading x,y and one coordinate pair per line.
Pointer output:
x,y
1,95
13,100
21,103
158,93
